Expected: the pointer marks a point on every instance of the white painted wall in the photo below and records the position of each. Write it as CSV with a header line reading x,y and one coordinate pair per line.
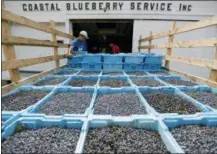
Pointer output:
x,y
145,26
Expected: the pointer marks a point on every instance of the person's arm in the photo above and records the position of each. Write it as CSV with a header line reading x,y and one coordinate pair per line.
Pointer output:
x,y
72,45
69,52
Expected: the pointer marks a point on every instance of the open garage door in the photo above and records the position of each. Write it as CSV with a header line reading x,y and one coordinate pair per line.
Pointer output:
x,y
102,32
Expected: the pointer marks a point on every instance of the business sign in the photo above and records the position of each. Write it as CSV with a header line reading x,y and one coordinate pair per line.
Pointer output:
x,y
61,11
108,6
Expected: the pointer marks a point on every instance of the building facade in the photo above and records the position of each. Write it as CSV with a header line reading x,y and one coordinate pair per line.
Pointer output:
x,y
120,21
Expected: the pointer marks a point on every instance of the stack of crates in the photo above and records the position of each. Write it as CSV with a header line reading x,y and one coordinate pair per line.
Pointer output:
x,y
92,62
118,62
75,62
112,63
134,62
153,62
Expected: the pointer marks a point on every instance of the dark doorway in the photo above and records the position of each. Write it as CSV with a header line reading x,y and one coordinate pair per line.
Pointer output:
x,y
102,32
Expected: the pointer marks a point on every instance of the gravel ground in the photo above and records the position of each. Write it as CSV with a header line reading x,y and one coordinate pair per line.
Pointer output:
x,y
81,83
67,103
160,73
114,83
88,73
120,104
65,73
44,140
169,103
54,81
123,140
207,98
114,73
146,82
180,82
136,73
196,139
21,100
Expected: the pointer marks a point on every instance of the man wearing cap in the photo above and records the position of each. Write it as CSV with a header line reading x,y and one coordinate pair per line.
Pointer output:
x,y
78,45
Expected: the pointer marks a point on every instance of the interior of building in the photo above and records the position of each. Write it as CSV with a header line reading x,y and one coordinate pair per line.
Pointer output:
x,y
101,33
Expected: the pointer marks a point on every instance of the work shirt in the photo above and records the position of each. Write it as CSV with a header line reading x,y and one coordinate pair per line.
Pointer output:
x,y
79,47
115,49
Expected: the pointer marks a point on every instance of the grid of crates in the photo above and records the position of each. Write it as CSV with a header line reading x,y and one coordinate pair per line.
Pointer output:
x,y
128,82
118,62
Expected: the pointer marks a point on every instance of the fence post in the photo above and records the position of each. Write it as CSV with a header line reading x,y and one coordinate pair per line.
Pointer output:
x,y
8,50
140,37
54,39
213,73
149,42
170,41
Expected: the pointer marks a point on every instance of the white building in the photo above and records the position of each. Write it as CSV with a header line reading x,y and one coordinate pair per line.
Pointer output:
x,y
120,21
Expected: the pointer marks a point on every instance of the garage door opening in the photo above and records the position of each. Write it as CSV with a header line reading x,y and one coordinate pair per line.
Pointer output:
x,y
102,32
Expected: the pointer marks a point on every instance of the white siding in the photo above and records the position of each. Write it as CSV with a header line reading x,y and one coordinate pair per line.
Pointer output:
x,y
145,26
23,52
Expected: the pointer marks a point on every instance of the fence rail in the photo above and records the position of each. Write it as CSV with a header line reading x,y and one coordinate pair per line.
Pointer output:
x,y
33,78
11,17
14,40
212,64
192,26
17,63
211,42
8,41
183,44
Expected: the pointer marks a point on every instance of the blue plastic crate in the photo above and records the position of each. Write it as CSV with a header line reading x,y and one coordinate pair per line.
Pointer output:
x,y
174,91
133,67
176,77
152,66
134,58
158,72
111,67
120,78
8,117
115,59
147,123
65,72
80,52
74,65
8,114
103,56
39,122
92,58
48,77
209,120
92,66
79,77
153,59
200,88
76,59
26,89
64,89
